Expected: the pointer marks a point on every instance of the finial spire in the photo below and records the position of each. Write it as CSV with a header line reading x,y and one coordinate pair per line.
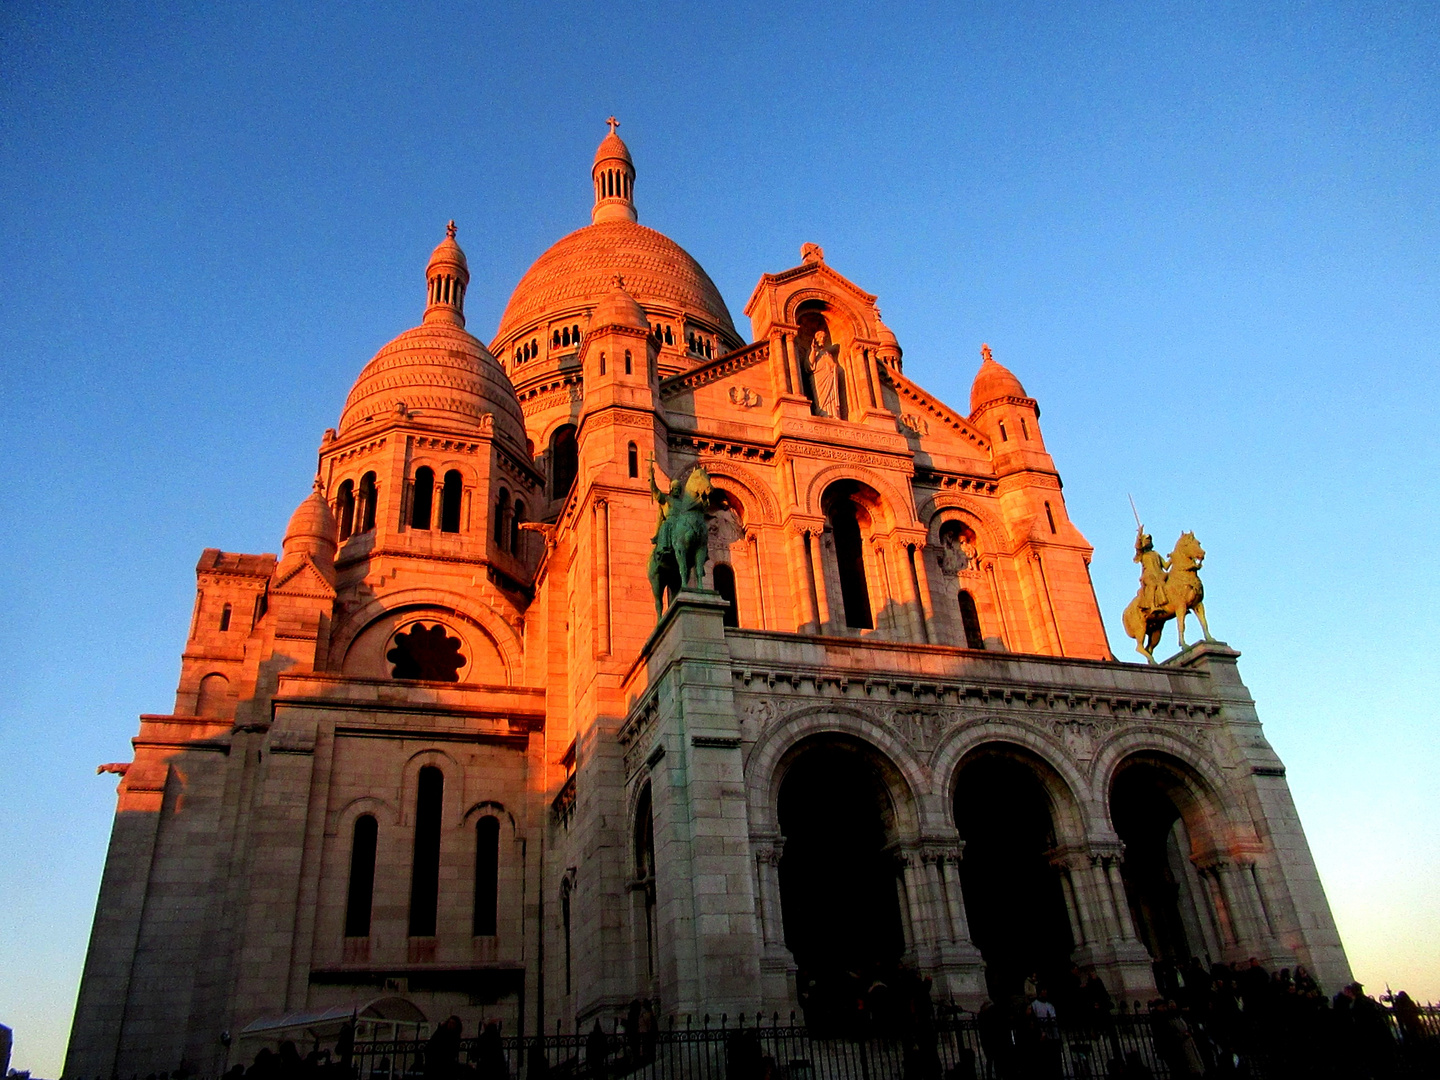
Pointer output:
x,y
446,279
613,124
450,229
614,177
985,356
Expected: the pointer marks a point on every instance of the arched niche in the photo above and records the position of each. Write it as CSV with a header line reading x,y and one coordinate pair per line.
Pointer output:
x,y
425,644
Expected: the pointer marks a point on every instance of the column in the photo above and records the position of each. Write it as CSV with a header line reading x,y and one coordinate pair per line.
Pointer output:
x,y
767,865
921,937
1118,897
1077,925
601,534
802,580
955,899
754,539
942,929
815,549
922,586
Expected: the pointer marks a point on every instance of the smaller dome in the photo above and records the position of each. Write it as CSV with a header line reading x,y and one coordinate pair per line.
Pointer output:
x,y
612,147
993,381
447,253
887,337
619,309
312,527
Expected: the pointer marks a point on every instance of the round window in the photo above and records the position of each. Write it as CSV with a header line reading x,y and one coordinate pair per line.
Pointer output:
x,y
428,652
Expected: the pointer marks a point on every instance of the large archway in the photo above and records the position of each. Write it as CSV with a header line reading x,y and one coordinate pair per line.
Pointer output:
x,y
1151,797
1013,896
838,874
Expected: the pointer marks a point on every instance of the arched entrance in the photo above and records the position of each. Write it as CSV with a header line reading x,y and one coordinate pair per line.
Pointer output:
x,y
838,874
1151,797
1012,893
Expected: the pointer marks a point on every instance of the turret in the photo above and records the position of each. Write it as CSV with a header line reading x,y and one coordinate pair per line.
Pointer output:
x,y
620,361
447,277
614,176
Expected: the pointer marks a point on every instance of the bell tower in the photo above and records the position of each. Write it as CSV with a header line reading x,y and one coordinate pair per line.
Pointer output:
x,y
614,176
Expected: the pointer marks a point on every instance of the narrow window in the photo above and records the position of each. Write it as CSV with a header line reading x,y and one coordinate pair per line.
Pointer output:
x,y
669,336
425,868
575,335
261,602
645,870
502,504
627,362
1050,517
602,363
487,875
724,578
1024,431
450,501
515,521
225,618
362,877
534,347
422,497
367,501
1003,436
564,461
850,555
632,457
565,921
345,508
970,620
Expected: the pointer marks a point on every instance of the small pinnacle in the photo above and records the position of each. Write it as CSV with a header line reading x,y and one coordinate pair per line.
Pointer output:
x,y
985,353
450,229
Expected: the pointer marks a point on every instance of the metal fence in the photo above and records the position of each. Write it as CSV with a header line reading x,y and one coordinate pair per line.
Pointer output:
x,y
1132,1047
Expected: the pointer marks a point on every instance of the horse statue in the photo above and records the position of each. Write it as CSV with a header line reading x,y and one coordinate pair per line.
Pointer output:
x,y
682,540
1169,589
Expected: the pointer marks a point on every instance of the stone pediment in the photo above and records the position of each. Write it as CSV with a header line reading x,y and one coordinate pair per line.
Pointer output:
x,y
302,578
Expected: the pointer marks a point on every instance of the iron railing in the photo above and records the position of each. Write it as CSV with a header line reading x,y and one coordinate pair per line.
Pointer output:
x,y
960,1047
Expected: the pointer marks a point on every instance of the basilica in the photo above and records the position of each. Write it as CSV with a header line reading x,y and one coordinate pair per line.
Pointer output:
x,y
442,748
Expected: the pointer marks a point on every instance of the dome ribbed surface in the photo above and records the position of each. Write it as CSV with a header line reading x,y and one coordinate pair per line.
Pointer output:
x,y
312,520
441,372
993,381
612,146
578,271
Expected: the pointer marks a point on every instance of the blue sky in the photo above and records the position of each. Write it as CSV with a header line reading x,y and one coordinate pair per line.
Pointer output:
x,y
1203,235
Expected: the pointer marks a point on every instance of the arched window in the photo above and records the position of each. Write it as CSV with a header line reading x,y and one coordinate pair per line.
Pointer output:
x,y
425,868
1025,431
345,508
366,502
534,347
850,557
669,337
361,893
487,875
602,363
564,461
499,525
422,497
724,578
450,501
575,334
515,521
970,621
628,369
632,459
225,618
214,696
1050,517
1003,437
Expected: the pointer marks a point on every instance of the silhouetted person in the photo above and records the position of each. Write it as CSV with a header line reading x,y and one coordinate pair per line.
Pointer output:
x,y
596,1050
490,1054
442,1051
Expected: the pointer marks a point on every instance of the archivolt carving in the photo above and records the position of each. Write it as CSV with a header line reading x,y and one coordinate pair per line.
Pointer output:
x,y
897,507
932,515
754,492
468,608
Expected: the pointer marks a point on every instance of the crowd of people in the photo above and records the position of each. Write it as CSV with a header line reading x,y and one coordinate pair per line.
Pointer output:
x,y
1218,1021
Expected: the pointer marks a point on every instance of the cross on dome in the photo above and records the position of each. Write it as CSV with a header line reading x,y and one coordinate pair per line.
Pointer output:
x,y
613,124
450,229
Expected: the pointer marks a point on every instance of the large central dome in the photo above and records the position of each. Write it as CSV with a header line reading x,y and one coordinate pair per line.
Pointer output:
x,y
579,269
549,311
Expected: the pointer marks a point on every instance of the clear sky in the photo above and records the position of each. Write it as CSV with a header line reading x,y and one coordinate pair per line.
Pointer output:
x,y
1203,235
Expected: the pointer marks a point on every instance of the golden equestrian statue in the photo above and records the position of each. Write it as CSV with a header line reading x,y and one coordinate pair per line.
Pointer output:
x,y
1169,588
